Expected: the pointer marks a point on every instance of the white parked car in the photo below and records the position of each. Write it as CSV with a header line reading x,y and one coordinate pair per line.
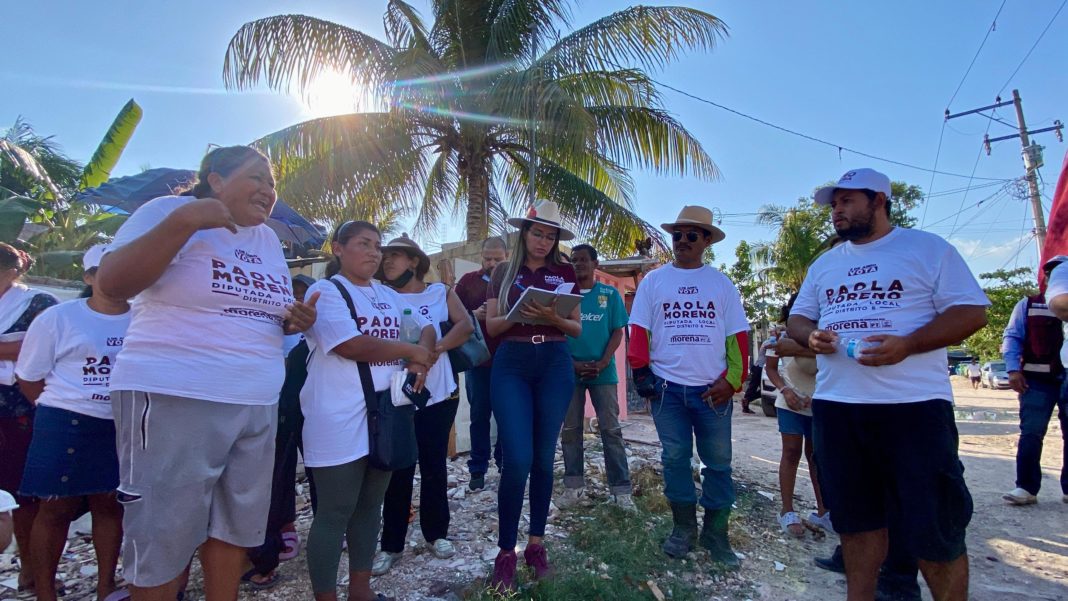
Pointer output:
x,y
994,376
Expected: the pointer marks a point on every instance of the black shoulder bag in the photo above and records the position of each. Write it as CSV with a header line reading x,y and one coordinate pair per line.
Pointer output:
x,y
391,430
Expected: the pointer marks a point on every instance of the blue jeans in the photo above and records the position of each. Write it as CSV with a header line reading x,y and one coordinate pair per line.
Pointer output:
x,y
605,403
680,415
477,382
1036,408
532,386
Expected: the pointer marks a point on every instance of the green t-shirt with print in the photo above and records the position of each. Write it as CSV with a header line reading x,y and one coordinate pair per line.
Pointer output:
x,y
602,312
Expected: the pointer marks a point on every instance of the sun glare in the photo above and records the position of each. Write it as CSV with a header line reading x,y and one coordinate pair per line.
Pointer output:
x,y
333,93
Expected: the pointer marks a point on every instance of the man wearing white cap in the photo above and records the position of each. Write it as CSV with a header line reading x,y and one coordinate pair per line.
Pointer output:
x,y
880,311
689,337
1031,349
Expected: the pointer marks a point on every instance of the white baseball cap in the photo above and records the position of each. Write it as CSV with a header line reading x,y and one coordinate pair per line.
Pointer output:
x,y
92,256
855,179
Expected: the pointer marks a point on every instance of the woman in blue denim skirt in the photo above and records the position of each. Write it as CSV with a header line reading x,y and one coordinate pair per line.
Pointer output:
x,y
531,383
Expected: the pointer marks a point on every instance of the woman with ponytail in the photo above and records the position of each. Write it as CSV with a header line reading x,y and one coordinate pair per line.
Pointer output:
x,y
19,306
195,387
532,382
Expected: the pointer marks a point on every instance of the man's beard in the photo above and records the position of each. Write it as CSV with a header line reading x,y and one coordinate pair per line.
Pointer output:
x,y
857,230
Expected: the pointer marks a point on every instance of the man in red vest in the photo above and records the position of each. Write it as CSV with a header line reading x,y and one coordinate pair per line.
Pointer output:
x,y
1031,348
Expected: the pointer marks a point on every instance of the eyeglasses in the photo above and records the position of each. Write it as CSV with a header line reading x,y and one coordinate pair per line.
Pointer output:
x,y
690,236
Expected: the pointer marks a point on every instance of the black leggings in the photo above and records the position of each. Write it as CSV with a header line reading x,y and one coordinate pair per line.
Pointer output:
x,y
432,427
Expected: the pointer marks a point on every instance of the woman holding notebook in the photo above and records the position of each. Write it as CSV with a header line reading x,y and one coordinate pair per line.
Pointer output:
x,y
532,381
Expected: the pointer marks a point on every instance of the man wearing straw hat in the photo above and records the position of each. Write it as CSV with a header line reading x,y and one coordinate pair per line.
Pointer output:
x,y
688,351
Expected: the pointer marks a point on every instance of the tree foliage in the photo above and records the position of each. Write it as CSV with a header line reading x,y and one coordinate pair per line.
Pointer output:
x,y
469,97
1004,288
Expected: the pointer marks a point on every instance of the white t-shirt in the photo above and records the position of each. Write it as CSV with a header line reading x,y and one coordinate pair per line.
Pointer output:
x,y
1056,286
796,375
335,413
433,304
211,327
974,371
894,285
73,349
690,313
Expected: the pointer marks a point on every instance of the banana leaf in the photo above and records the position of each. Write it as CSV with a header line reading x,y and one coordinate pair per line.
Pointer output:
x,y
107,154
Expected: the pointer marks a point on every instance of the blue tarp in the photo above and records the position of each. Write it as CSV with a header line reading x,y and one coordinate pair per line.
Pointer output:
x,y
130,192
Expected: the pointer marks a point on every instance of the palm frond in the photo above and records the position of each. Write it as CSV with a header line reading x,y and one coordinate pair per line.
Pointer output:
x,y
325,165
596,218
621,87
440,189
652,139
513,25
24,163
404,26
648,36
289,51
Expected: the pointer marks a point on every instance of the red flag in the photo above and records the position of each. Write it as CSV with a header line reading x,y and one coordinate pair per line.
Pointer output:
x,y
1057,230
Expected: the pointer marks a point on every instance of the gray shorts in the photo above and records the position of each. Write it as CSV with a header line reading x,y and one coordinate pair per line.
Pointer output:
x,y
189,470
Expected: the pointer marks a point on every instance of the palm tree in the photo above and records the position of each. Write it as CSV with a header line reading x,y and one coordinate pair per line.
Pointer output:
x,y
36,181
469,100
803,233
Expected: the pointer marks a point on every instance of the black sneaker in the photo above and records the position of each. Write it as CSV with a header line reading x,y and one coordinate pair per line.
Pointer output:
x,y
478,481
834,563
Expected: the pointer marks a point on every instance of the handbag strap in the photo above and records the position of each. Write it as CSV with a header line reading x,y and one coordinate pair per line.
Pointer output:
x,y
365,370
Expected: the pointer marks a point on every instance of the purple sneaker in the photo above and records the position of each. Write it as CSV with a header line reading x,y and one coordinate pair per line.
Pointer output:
x,y
503,580
538,560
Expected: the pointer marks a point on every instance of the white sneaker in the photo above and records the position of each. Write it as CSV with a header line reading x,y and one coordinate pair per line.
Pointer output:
x,y
383,562
442,548
1019,496
570,497
822,521
625,501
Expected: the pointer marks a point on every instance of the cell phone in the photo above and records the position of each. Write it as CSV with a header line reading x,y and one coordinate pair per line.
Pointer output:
x,y
419,399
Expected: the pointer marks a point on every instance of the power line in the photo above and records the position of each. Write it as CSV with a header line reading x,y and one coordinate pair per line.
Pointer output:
x,y
974,167
820,140
989,30
1033,46
938,153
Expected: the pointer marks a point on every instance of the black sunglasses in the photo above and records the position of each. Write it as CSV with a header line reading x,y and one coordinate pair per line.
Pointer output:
x,y
690,236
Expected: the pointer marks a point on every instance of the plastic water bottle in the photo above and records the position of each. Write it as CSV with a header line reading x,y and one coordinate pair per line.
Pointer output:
x,y
410,328
855,346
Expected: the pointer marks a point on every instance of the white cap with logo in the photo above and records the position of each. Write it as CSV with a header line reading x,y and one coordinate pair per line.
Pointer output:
x,y
855,179
92,256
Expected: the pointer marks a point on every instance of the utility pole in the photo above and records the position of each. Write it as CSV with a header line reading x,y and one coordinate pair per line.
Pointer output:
x,y
1032,156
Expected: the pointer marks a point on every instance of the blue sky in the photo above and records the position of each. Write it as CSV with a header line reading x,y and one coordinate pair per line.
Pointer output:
x,y
874,77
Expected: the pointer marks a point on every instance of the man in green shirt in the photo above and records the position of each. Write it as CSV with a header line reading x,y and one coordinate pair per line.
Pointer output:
x,y
603,318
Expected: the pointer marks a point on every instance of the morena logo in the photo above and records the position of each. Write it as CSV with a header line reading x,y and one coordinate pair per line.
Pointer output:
x,y
690,339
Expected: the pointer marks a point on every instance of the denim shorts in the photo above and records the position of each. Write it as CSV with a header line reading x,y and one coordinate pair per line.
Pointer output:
x,y
71,455
792,422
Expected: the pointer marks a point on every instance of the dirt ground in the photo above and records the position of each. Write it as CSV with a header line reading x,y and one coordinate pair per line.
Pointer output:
x,y
1015,552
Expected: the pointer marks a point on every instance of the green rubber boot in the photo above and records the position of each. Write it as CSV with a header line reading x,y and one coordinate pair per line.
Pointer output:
x,y
714,538
684,534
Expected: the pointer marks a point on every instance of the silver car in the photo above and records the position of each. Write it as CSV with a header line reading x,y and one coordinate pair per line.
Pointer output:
x,y
994,376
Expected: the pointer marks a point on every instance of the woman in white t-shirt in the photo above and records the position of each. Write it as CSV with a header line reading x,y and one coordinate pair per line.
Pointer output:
x,y
791,368
65,368
196,384
404,267
349,491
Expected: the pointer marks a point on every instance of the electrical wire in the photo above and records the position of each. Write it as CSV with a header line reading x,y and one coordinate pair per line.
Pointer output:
x,y
978,157
989,30
820,140
1033,46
